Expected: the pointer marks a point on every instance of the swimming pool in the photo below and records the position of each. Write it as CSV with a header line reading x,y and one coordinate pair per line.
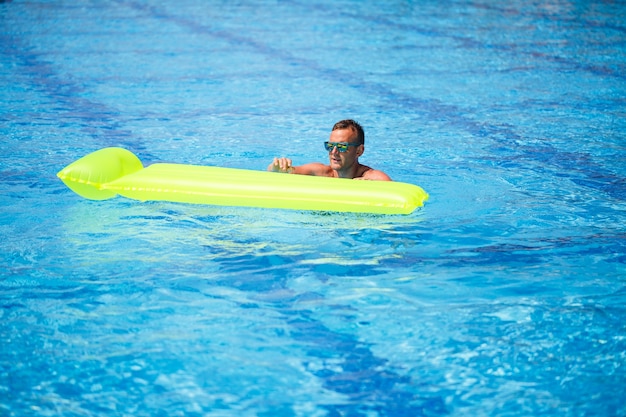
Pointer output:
x,y
504,295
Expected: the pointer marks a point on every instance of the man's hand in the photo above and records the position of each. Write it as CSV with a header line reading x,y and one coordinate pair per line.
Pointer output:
x,y
281,165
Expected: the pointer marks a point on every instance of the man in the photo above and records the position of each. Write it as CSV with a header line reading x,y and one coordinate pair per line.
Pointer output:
x,y
346,144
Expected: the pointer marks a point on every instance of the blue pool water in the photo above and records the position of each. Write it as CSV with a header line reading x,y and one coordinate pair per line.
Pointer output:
x,y
505,295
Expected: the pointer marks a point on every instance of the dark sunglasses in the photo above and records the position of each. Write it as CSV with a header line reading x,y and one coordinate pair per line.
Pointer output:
x,y
341,147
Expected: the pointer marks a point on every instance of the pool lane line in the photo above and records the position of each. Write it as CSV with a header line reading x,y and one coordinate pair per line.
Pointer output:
x,y
469,42
367,380
597,177
349,367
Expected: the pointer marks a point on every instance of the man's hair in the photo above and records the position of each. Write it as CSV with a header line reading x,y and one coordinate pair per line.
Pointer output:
x,y
352,125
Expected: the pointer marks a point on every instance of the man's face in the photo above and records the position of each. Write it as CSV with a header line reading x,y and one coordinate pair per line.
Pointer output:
x,y
344,160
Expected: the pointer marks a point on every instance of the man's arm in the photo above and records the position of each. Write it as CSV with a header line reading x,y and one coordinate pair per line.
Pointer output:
x,y
285,165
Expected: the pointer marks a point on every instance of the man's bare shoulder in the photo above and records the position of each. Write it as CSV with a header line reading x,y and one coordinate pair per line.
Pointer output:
x,y
374,175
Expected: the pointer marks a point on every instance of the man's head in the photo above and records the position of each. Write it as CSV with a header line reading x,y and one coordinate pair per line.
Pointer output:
x,y
354,127
350,133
